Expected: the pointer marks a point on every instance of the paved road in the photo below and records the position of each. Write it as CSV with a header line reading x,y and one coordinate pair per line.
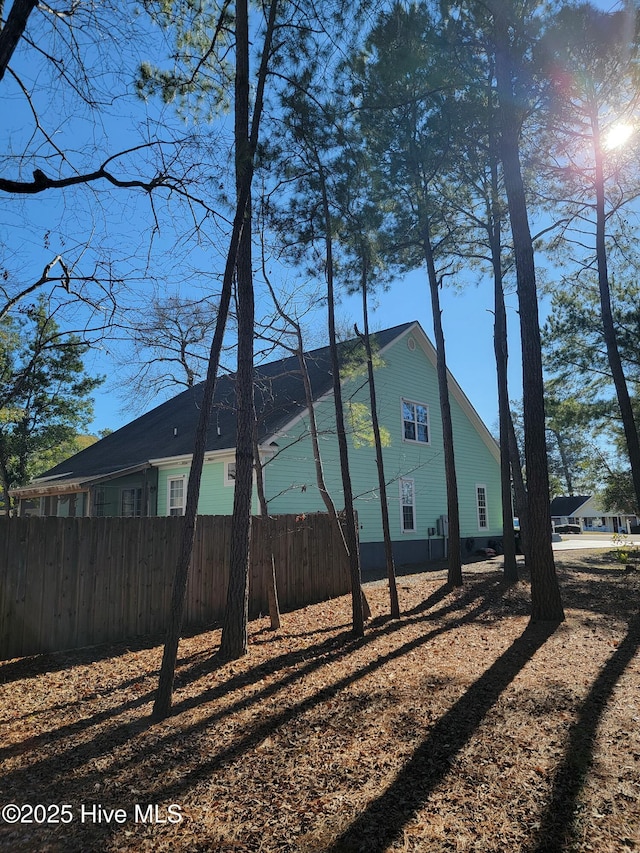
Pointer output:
x,y
578,541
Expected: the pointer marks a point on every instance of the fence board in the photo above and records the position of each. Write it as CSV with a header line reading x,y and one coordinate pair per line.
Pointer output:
x,y
74,582
24,596
51,547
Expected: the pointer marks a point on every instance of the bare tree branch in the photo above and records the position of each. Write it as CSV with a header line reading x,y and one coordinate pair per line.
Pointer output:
x,y
44,278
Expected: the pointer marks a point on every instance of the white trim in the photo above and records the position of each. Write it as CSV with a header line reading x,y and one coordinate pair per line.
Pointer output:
x,y
482,486
171,461
455,391
401,481
183,479
416,440
186,459
230,481
229,453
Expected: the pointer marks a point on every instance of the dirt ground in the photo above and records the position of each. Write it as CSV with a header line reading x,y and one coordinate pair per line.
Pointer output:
x,y
457,728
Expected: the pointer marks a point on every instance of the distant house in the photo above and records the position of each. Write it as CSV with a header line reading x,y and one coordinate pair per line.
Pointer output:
x,y
584,510
142,468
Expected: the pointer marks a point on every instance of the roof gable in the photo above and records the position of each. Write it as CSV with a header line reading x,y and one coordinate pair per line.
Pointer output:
x,y
456,392
566,506
384,341
168,430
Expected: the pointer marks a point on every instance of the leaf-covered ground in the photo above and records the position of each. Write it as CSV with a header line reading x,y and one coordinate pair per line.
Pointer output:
x,y
457,728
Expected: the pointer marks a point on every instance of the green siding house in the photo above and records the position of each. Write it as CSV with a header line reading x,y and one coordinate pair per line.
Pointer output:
x,y
142,469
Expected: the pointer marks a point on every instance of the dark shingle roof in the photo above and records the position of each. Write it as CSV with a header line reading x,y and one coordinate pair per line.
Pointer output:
x,y
564,507
169,429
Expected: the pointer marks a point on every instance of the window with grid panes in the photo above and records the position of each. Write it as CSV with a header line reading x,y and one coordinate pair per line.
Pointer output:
x,y
415,422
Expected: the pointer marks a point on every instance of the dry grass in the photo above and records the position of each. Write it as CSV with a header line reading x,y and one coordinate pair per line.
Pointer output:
x,y
457,728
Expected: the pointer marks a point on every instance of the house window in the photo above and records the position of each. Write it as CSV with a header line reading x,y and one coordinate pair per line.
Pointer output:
x,y
175,496
229,473
51,505
30,508
131,503
481,499
407,506
99,502
415,422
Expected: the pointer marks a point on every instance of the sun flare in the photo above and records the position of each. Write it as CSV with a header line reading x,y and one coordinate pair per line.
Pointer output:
x,y
617,135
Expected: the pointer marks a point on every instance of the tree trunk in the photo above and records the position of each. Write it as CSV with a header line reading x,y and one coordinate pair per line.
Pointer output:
x,y
500,344
313,431
162,704
454,557
4,489
519,488
502,356
13,29
235,639
501,349
564,462
394,603
615,363
351,533
546,601
322,486
269,567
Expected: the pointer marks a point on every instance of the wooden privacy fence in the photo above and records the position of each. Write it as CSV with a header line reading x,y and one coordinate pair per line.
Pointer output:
x,y
66,583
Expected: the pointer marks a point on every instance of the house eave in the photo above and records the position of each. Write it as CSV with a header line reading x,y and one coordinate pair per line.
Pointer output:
x,y
222,455
58,486
187,458
43,491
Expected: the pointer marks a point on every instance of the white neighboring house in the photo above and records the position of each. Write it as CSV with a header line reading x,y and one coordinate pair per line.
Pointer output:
x,y
584,510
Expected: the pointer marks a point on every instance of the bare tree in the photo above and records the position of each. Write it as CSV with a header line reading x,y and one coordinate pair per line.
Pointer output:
x,y
297,348
269,568
167,347
248,146
79,253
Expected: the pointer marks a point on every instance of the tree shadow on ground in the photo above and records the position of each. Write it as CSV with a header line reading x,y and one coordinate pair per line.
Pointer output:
x,y
267,634
617,592
557,825
383,820
337,645
196,666
32,666
269,725
83,751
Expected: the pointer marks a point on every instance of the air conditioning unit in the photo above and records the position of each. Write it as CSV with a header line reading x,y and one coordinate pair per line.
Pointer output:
x,y
443,525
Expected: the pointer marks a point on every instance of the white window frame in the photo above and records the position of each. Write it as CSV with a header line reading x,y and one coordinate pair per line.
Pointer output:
x,y
405,402
401,483
482,507
181,479
230,478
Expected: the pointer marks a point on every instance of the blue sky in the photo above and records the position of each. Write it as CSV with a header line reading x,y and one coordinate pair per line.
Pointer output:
x,y
467,317
468,325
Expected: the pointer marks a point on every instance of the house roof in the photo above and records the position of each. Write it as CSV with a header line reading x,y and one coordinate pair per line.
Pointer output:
x,y
168,430
564,507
